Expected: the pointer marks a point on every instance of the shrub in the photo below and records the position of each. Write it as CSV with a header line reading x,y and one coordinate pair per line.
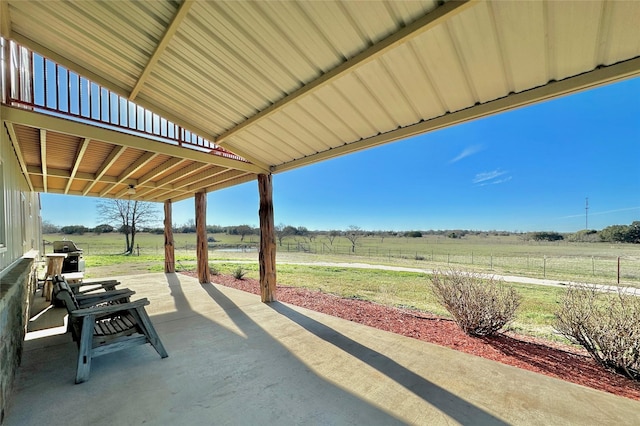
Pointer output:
x,y
213,270
547,236
239,273
607,325
480,306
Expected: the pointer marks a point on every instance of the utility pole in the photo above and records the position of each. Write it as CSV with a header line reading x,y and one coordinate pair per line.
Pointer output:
x,y
586,214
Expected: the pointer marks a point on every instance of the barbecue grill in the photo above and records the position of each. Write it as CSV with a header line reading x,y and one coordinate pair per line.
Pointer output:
x,y
73,262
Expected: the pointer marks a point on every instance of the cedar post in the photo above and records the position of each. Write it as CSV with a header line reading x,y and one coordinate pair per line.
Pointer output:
x,y
267,256
169,254
202,247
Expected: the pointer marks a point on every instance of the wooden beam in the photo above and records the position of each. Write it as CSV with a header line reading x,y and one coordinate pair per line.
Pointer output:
x,y
554,89
16,148
76,163
66,174
202,245
182,172
172,162
162,45
55,124
267,255
218,186
134,167
206,174
214,180
115,153
43,157
414,29
169,250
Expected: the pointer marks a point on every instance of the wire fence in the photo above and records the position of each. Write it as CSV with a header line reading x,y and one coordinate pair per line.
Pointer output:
x,y
601,269
618,269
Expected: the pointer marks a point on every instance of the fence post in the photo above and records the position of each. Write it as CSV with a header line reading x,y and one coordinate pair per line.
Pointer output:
x,y
618,269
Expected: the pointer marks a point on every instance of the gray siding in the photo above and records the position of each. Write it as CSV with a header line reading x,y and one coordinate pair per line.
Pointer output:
x,y
20,230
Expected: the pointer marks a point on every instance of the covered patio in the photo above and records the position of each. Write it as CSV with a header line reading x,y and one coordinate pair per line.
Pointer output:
x,y
235,360
252,89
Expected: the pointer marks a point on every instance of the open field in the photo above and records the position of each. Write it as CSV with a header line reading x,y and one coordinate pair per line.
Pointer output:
x,y
507,255
564,261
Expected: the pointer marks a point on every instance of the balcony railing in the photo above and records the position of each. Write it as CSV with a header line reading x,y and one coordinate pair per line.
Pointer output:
x,y
29,80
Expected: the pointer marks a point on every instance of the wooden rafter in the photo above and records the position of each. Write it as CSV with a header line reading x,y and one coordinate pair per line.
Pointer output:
x,y
43,157
16,147
182,12
76,162
439,15
221,178
207,174
134,167
173,162
227,184
167,180
55,124
115,153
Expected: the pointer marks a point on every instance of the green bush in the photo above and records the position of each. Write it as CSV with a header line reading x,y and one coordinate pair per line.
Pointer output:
x,y
480,306
607,325
239,273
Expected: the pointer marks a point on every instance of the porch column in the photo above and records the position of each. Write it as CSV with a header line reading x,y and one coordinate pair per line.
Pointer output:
x,y
267,256
169,254
202,246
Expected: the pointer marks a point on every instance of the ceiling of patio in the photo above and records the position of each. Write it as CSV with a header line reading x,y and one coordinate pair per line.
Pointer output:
x,y
286,84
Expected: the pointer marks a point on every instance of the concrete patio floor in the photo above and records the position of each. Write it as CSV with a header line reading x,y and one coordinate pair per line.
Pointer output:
x,y
235,360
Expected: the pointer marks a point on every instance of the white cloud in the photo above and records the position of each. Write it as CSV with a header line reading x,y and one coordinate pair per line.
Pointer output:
x,y
485,178
467,152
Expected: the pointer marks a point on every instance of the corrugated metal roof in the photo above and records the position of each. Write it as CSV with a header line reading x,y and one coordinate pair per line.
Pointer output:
x,y
287,83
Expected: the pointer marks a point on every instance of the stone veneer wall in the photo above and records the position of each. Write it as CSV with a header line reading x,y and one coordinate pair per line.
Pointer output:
x,y
16,295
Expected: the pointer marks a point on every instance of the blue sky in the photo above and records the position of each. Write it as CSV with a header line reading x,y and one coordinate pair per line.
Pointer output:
x,y
529,169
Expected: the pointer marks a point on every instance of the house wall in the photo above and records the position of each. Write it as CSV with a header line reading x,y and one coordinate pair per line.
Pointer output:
x,y
20,238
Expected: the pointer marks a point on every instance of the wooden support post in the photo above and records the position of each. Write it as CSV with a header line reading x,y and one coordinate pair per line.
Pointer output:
x,y
267,256
169,250
202,246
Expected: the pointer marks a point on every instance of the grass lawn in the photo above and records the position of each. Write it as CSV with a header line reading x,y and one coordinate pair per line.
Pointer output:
x,y
502,255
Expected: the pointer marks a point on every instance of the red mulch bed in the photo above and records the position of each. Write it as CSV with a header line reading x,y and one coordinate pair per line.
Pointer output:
x,y
552,359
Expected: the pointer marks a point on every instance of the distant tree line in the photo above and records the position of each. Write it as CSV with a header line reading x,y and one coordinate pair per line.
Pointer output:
x,y
622,233
613,233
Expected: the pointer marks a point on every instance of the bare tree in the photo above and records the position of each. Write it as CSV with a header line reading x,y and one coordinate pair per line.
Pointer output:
x,y
283,231
352,234
244,230
128,216
332,236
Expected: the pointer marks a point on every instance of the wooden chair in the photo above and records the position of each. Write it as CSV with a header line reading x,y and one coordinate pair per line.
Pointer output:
x,y
108,326
91,287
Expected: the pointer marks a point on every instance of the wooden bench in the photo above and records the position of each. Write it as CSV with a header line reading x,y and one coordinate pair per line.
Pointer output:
x,y
110,325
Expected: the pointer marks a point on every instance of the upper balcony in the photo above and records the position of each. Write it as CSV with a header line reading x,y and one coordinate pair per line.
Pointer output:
x,y
73,136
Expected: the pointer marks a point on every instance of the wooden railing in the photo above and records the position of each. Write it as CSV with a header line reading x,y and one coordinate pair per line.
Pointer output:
x,y
29,80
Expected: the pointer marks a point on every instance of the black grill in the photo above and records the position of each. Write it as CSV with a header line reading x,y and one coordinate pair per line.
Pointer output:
x,y
71,263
